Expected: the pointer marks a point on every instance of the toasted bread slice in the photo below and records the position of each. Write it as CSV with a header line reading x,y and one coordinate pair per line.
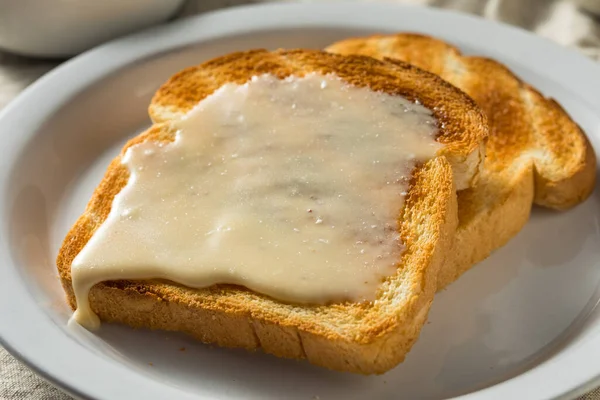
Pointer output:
x,y
365,337
535,154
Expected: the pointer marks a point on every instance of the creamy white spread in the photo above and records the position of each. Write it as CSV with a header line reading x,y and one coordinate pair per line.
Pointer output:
x,y
292,188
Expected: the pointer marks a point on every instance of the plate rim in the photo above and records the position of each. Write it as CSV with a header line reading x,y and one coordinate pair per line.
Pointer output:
x,y
104,59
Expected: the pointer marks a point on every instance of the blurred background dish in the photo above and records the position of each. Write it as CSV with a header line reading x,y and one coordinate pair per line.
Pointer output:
x,y
58,28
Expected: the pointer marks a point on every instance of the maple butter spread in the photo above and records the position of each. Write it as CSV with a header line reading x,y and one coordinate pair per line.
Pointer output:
x,y
291,187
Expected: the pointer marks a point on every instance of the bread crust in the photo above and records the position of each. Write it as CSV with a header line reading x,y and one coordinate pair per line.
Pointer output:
x,y
536,154
367,337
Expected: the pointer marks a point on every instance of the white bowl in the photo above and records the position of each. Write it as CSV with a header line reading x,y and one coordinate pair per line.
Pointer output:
x,y
58,28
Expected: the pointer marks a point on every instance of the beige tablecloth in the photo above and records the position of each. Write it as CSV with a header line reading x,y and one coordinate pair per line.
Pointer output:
x,y
559,20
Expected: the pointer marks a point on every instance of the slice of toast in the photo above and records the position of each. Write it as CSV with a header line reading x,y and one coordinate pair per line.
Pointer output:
x,y
535,154
365,337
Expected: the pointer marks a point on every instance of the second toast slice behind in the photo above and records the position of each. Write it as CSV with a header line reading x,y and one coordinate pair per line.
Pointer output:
x,y
535,154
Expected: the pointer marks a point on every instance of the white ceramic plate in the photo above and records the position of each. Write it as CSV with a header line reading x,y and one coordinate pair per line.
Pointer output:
x,y
523,324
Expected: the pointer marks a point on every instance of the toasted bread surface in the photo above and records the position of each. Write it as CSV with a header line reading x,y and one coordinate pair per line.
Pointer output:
x,y
366,337
535,154
465,128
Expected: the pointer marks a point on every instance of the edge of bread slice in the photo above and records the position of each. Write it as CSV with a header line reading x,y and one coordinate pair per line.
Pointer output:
x,y
535,153
365,337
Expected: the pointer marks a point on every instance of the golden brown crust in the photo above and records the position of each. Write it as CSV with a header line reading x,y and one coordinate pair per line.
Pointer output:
x,y
369,337
535,152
